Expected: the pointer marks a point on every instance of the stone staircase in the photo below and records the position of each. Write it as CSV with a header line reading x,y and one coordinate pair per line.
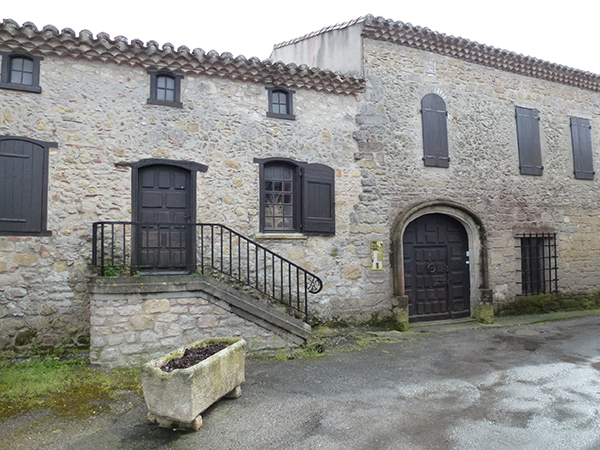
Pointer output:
x,y
136,318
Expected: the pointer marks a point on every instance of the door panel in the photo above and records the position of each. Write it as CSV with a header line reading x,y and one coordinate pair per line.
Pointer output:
x,y
165,237
436,270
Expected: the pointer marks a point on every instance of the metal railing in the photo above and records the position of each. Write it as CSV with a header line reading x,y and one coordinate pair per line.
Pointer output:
x,y
539,263
166,248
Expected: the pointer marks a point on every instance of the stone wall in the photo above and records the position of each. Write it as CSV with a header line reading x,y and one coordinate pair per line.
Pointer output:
x,y
133,321
483,176
97,114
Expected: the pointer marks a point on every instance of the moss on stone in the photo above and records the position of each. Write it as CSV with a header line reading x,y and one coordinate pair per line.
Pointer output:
x,y
25,338
484,313
546,303
65,384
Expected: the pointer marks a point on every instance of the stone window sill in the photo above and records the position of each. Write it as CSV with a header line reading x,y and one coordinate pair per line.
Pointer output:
x,y
291,236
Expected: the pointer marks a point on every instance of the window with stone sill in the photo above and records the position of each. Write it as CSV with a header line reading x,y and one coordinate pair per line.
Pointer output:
x,y
20,72
165,89
281,103
24,186
296,197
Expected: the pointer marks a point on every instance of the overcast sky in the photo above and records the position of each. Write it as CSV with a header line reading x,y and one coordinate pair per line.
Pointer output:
x,y
560,32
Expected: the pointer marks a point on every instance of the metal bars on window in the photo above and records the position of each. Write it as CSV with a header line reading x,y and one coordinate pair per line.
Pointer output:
x,y
539,263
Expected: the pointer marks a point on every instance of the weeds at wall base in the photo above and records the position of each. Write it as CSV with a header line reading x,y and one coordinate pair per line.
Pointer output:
x,y
547,303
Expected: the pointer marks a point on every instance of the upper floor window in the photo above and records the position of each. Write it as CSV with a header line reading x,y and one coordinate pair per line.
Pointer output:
x,y
296,197
581,135
165,89
20,72
435,131
281,103
23,186
528,135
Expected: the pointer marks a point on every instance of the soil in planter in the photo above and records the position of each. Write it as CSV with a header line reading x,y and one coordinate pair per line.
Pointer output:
x,y
192,356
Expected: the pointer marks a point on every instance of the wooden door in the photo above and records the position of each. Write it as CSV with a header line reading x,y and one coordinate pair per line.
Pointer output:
x,y
164,234
436,268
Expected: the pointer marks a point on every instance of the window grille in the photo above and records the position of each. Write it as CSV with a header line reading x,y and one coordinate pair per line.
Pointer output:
x,y
539,263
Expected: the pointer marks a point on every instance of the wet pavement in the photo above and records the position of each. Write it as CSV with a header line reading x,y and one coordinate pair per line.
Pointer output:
x,y
453,386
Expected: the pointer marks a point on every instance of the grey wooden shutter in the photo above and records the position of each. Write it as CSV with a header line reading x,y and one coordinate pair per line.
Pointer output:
x,y
435,131
23,185
530,150
581,134
318,199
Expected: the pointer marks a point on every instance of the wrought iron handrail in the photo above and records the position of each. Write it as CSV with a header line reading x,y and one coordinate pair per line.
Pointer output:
x,y
162,248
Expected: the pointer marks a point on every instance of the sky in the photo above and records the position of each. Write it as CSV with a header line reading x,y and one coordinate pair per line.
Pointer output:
x,y
559,32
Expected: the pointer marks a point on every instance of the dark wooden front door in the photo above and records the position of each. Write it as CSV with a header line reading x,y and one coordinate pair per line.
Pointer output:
x,y
436,268
164,236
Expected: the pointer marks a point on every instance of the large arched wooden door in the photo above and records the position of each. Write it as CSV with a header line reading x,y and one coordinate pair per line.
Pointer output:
x,y
436,268
163,211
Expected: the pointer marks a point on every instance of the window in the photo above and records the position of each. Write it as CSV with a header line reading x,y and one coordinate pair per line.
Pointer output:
x,y
539,268
281,103
296,197
581,134
165,89
279,197
23,186
528,135
435,131
20,72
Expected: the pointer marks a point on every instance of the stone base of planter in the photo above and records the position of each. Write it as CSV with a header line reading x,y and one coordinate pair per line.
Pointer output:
x,y
165,422
194,425
176,399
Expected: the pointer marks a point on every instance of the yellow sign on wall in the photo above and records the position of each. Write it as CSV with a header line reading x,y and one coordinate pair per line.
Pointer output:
x,y
376,255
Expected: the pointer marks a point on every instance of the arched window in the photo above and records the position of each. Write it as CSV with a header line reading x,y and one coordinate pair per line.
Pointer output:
x,y
435,131
281,103
20,72
296,197
279,192
165,89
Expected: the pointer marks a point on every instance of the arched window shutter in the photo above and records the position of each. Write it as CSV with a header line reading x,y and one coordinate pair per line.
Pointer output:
x,y
318,199
23,185
435,131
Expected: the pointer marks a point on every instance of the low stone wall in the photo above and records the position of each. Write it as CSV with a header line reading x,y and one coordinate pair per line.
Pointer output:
x,y
134,319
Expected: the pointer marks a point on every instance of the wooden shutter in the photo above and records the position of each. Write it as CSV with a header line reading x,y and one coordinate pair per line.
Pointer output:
x,y
435,131
318,199
581,134
530,150
23,186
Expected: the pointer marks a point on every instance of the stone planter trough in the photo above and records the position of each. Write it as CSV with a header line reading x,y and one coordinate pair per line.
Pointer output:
x,y
176,399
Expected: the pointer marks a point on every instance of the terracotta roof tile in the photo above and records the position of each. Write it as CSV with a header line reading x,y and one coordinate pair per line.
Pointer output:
x,y
51,41
460,48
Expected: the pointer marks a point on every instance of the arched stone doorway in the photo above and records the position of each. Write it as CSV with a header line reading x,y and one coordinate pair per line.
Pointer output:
x,y
439,263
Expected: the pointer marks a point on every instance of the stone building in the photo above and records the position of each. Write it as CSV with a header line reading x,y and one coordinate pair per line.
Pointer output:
x,y
402,167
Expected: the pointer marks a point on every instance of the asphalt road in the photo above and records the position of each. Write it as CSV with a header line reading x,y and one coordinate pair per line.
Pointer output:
x,y
518,387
